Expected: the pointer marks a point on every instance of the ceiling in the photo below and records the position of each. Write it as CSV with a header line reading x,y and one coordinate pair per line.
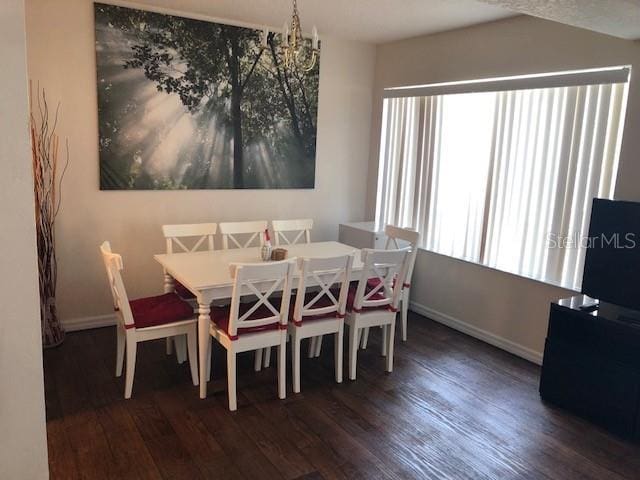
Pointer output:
x,y
620,18
375,21
380,21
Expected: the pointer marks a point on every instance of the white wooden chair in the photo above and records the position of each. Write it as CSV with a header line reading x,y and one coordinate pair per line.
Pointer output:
x,y
282,234
319,312
372,306
251,231
300,228
242,327
185,238
146,319
252,235
198,233
400,238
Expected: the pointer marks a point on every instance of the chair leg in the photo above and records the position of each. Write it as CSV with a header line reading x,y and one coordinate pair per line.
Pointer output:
x,y
391,332
318,346
257,361
131,366
208,366
231,379
169,346
121,339
405,313
353,351
282,369
180,342
295,362
266,359
337,349
192,349
385,332
365,338
312,347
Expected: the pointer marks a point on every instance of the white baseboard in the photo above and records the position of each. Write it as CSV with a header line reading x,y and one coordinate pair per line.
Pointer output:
x,y
480,334
86,323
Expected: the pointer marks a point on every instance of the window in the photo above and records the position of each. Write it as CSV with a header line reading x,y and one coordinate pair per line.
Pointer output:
x,y
499,171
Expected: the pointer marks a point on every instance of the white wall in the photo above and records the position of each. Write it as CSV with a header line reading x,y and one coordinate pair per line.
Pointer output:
x,y
23,447
60,37
505,309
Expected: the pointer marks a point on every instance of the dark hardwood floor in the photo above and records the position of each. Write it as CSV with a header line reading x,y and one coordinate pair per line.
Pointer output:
x,y
453,408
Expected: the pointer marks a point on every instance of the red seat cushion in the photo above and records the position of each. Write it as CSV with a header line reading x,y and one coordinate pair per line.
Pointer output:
x,y
220,316
351,298
183,292
374,282
159,310
324,301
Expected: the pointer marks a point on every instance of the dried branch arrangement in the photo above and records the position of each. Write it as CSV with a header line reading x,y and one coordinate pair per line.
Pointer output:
x,y
47,183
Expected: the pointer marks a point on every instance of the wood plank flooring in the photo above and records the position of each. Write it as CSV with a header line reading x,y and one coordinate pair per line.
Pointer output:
x,y
453,408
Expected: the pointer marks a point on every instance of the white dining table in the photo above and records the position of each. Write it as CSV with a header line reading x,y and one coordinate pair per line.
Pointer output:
x,y
208,275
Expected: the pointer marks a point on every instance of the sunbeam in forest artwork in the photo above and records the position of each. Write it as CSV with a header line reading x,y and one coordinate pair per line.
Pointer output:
x,y
190,104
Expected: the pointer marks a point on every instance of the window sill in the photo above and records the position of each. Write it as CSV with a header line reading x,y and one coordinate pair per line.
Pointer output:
x,y
569,291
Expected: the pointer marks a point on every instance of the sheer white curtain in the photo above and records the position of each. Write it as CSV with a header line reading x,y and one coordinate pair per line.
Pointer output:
x,y
399,177
498,177
460,168
558,150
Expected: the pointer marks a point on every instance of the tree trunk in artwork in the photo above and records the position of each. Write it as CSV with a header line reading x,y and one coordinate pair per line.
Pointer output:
x,y
236,111
238,160
47,182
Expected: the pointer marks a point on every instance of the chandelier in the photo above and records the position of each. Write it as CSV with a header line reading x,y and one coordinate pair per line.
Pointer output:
x,y
293,46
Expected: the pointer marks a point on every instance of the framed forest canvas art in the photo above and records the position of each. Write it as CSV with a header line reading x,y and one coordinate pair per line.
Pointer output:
x,y
191,104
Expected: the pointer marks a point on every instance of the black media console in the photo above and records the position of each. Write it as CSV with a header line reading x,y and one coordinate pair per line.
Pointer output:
x,y
592,363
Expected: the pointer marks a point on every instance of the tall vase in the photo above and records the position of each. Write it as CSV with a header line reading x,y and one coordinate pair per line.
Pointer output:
x,y
47,181
52,330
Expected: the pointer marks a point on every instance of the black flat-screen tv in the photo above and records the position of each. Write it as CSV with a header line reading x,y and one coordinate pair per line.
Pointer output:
x,y
612,262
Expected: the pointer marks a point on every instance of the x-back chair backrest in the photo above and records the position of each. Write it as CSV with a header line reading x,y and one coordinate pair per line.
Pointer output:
x,y
261,280
113,264
399,238
198,232
300,228
387,266
323,273
230,230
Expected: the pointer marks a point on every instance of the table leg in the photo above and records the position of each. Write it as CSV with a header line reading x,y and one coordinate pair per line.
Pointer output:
x,y
169,283
204,344
169,286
